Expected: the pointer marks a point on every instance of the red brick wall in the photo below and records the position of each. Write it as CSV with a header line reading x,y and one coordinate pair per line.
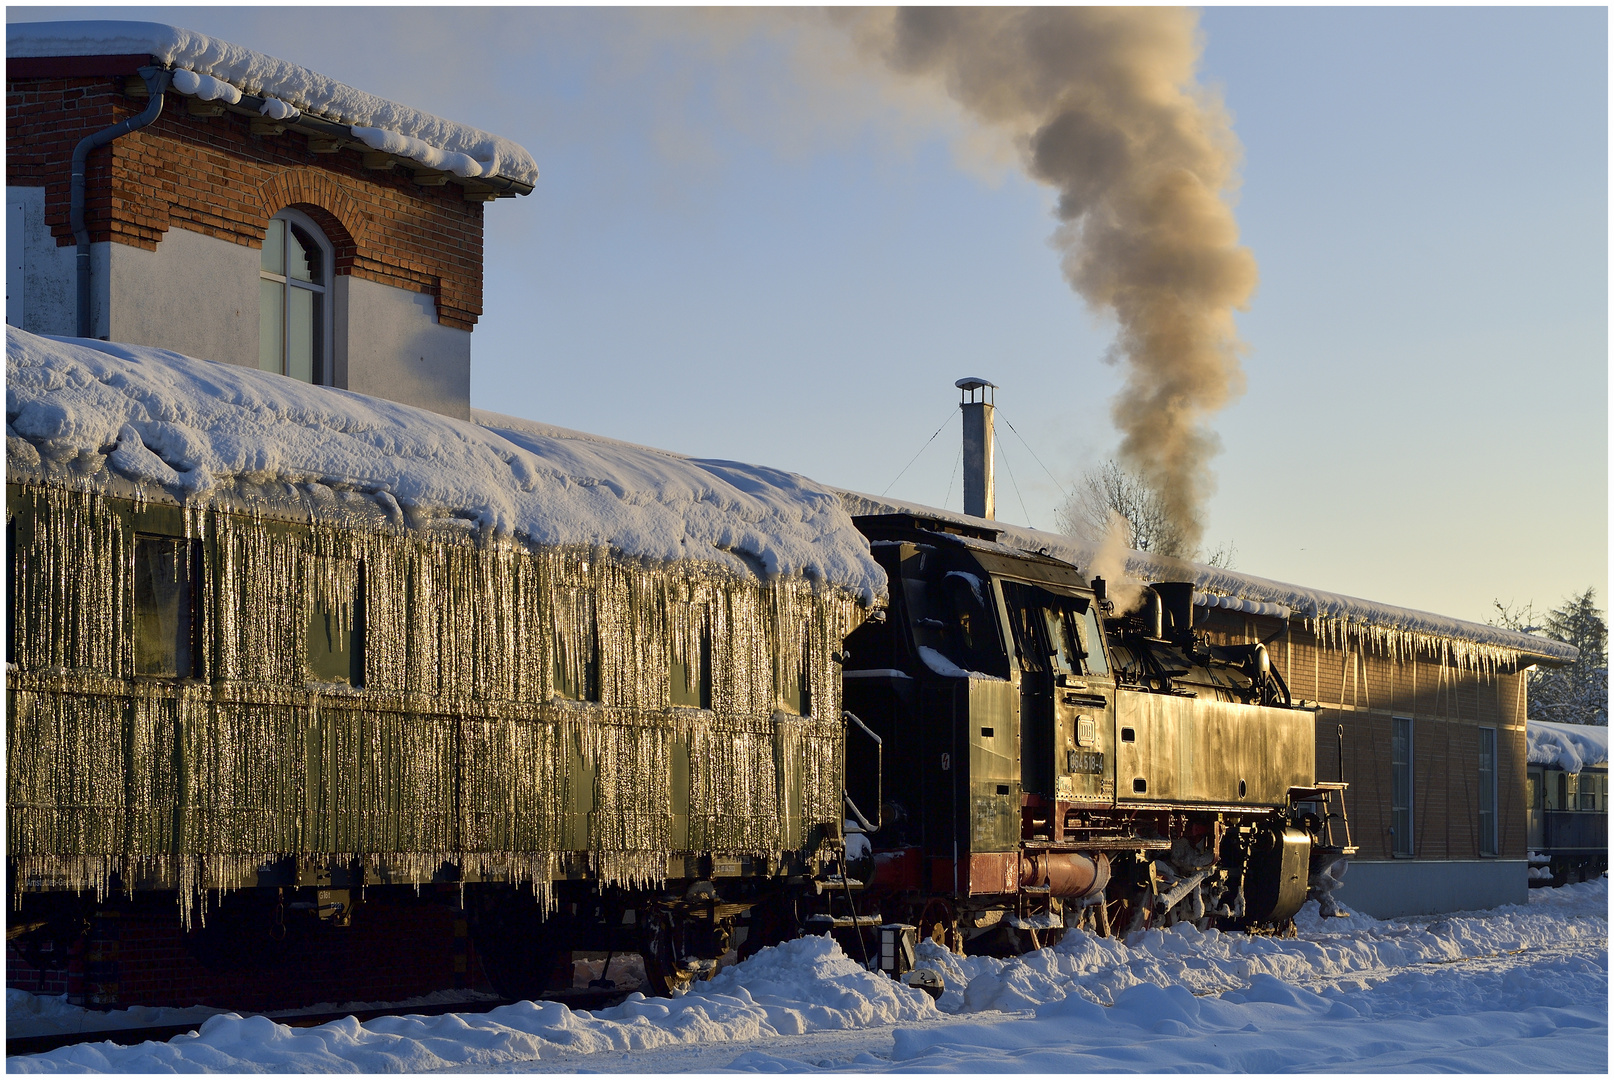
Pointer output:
x,y
212,175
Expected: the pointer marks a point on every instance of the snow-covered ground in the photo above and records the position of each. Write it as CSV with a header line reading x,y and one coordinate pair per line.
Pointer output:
x,y
1516,989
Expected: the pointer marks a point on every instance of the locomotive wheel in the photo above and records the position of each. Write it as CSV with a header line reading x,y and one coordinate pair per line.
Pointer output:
x,y
663,975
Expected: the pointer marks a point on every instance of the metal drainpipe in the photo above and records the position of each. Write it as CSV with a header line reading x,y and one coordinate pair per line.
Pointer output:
x,y
156,80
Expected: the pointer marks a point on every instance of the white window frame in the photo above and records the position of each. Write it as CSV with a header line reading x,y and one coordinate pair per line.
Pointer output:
x,y
325,369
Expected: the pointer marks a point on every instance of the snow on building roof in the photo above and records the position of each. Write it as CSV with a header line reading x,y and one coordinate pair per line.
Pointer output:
x,y
380,124
1335,616
1569,747
104,415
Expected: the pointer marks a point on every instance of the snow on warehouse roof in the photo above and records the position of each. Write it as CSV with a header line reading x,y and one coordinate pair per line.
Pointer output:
x,y
378,123
1336,617
97,414
1569,747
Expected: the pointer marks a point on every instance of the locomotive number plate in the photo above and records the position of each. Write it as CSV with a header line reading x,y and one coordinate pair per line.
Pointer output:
x,y
1084,761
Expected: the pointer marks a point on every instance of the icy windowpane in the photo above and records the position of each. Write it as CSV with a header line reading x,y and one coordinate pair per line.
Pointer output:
x,y
795,686
273,260
577,649
335,639
163,609
271,325
691,678
303,257
302,325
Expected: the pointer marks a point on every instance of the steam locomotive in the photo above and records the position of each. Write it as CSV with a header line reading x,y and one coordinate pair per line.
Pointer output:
x,y
1052,760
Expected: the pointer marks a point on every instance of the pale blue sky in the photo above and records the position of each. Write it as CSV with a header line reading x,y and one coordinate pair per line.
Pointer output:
x,y
730,256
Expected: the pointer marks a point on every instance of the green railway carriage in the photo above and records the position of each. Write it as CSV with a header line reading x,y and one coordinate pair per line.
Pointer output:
x,y
209,699
330,647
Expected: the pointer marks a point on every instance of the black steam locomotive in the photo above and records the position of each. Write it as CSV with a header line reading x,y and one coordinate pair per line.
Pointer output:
x,y
1051,758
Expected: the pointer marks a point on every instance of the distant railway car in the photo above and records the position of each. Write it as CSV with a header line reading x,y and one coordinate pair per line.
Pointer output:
x,y
1568,817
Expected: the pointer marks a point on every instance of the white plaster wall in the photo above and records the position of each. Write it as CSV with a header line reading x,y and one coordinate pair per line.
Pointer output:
x,y
391,345
49,281
195,294
1391,888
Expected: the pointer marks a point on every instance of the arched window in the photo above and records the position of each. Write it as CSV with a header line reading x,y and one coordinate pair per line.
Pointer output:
x,y
294,282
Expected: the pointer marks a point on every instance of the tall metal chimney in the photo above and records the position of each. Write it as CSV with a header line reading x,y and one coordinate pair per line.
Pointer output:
x,y
975,398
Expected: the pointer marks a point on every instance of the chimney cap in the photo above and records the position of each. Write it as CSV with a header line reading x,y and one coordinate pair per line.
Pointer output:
x,y
973,383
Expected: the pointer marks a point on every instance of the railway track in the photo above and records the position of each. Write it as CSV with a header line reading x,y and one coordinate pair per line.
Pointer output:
x,y
132,1036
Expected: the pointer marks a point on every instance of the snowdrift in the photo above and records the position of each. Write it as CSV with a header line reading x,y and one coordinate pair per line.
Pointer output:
x,y
1521,988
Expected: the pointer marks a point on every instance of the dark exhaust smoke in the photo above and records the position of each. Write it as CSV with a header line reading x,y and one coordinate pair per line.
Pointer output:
x,y
1104,106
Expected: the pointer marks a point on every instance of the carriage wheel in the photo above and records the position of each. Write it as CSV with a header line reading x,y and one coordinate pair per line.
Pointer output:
x,y
523,953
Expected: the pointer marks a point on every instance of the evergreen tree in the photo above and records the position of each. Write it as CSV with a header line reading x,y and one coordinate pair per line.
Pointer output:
x,y
1577,693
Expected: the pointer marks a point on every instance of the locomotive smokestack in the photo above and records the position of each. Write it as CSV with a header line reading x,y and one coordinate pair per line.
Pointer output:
x,y
975,398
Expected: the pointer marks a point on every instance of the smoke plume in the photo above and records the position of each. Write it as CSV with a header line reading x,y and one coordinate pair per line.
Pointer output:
x,y
1104,107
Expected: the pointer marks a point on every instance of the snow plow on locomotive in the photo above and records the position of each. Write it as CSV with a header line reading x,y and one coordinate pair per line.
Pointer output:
x,y
1053,757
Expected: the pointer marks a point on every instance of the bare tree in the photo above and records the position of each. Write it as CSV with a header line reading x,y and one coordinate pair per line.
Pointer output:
x,y
1085,514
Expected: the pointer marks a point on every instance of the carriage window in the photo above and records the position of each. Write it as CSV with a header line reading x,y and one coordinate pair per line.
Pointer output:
x,y
691,678
165,586
1588,791
335,641
577,646
796,694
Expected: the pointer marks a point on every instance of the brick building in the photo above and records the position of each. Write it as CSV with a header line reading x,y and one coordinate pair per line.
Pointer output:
x,y
254,212
1422,714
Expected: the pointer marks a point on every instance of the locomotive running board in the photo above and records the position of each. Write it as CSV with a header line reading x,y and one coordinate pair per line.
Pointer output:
x,y
1119,843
